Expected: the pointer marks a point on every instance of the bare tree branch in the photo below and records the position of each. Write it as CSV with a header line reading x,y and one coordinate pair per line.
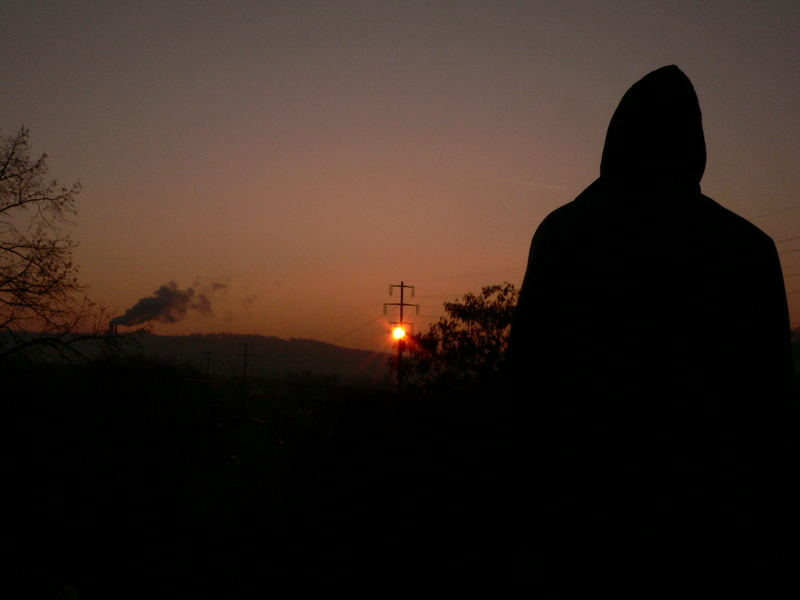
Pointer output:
x,y
41,299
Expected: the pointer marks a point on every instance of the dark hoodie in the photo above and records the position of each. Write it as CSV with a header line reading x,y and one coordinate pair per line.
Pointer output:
x,y
656,133
651,350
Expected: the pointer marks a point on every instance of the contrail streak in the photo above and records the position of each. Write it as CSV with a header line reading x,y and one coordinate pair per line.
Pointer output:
x,y
523,182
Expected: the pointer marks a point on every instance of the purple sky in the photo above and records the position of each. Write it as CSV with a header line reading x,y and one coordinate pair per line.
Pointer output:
x,y
308,154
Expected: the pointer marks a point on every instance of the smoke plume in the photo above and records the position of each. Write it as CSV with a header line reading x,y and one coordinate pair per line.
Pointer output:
x,y
168,304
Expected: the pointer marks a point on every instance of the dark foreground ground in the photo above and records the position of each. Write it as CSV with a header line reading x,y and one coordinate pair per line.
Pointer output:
x,y
141,480
137,480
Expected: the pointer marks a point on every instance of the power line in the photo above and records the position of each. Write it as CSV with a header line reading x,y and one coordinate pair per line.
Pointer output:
x,y
358,327
465,274
777,212
334,329
456,296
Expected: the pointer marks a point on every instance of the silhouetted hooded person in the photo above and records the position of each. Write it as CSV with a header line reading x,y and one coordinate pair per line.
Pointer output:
x,y
651,352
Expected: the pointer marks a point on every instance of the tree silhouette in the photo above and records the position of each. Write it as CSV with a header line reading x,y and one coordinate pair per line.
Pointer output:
x,y
468,344
40,300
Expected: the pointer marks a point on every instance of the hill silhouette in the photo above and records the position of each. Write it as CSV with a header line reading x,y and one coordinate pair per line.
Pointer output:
x,y
266,355
221,354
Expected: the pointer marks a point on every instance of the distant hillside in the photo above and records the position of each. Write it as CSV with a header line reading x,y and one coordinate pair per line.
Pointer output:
x,y
266,355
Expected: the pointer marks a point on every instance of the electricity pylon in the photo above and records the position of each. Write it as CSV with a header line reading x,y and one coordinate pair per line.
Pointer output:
x,y
400,331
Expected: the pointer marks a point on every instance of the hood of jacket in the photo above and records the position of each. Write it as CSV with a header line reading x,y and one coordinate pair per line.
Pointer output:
x,y
656,133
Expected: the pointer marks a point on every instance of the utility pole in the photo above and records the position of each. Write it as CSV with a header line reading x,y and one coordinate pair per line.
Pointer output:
x,y
400,331
244,365
207,360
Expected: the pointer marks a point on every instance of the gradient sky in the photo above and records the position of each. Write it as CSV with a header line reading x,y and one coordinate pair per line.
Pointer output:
x,y
309,154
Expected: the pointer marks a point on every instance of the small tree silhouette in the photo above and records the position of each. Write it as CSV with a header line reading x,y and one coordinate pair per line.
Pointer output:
x,y
468,344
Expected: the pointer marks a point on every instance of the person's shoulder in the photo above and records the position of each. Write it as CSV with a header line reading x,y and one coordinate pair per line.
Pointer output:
x,y
731,224
577,209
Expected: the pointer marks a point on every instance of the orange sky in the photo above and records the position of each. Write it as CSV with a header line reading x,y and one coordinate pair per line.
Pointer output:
x,y
308,154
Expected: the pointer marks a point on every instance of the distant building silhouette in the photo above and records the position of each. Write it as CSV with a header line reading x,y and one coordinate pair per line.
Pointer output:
x,y
651,351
